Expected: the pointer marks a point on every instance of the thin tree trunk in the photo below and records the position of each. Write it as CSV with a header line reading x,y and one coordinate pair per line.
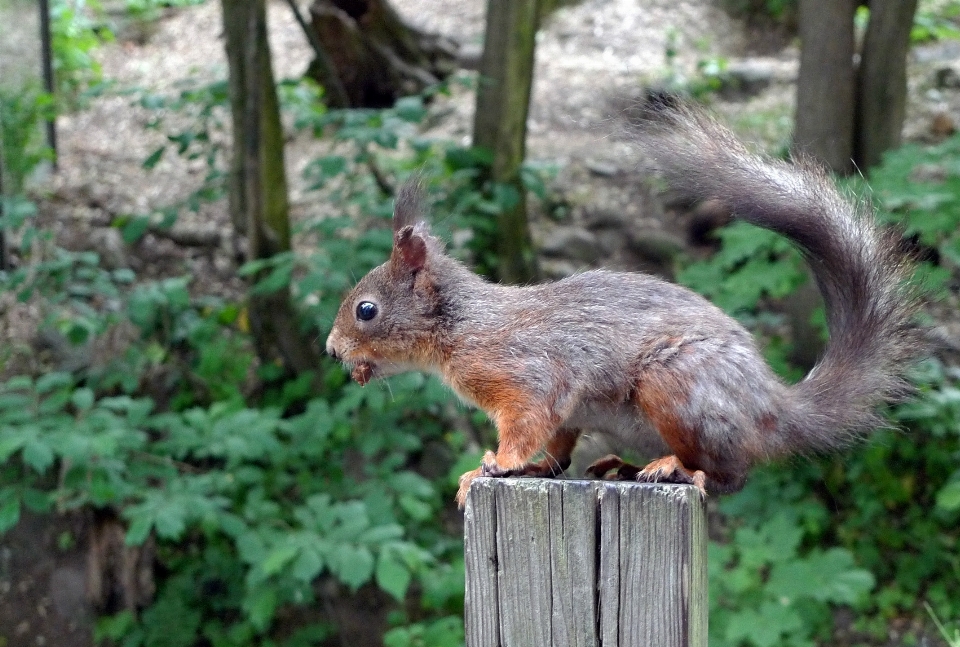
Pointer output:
x,y
234,28
825,86
258,143
500,124
882,80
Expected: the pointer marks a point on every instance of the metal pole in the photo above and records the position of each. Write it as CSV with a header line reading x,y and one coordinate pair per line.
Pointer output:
x,y
48,80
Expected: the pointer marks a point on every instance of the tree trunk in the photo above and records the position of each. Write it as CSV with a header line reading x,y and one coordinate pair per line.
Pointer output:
x,y
547,7
234,28
825,86
377,57
500,124
260,179
882,80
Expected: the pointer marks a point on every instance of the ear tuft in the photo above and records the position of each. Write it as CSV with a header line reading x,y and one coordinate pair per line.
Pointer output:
x,y
408,207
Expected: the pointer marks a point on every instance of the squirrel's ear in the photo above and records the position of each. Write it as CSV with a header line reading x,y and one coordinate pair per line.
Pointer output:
x,y
409,249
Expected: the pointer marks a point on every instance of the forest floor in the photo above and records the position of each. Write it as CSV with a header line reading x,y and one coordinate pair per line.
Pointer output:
x,y
593,61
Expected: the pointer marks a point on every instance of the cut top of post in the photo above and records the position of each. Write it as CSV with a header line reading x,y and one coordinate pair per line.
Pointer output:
x,y
554,563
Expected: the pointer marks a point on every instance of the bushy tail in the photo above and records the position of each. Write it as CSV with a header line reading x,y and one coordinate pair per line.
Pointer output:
x,y
859,268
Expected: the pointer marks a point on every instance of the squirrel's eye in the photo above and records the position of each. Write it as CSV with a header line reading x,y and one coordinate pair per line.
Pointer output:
x,y
366,310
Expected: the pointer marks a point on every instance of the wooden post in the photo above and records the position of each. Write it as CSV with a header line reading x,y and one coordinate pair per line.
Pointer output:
x,y
558,563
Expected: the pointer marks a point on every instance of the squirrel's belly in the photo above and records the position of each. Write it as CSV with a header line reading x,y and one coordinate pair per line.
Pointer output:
x,y
623,427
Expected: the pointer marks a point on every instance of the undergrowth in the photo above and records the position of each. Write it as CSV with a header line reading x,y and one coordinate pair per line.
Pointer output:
x,y
875,529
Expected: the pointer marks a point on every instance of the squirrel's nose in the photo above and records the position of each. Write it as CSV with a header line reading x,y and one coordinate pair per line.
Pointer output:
x,y
331,351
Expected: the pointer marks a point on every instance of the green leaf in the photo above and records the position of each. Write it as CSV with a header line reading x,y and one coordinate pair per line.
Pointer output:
x,y
277,279
170,521
38,455
82,399
324,168
114,627
37,500
392,574
260,605
9,510
308,564
138,531
417,509
410,109
10,443
51,381
153,158
278,558
948,498
353,566
828,576
135,228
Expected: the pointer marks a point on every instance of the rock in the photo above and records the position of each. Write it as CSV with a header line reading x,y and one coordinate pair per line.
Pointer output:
x,y
942,124
554,269
928,174
947,78
611,241
469,55
601,168
656,246
936,51
572,243
748,77
606,218
108,242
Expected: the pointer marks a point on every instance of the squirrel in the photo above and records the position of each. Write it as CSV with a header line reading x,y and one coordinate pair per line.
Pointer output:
x,y
637,357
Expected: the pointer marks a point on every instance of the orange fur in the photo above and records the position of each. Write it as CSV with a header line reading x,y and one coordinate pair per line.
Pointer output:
x,y
658,395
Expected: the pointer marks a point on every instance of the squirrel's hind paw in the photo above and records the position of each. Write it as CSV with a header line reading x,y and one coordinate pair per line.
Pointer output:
x,y
669,469
603,468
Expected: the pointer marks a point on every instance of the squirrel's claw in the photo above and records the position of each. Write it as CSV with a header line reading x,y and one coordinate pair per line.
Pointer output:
x,y
489,467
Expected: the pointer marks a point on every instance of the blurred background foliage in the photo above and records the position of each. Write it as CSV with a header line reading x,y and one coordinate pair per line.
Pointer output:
x,y
268,494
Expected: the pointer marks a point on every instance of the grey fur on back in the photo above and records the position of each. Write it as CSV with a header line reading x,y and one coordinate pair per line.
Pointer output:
x,y
859,268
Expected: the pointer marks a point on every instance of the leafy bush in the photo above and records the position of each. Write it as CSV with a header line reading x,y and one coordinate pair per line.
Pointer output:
x,y
936,21
259,502
261,491
76,31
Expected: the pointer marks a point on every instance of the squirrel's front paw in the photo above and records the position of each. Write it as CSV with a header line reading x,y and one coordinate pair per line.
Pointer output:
x,y
489,467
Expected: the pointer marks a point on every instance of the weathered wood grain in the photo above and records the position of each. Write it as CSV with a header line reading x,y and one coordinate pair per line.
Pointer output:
x,y
554,563
481,616
573,563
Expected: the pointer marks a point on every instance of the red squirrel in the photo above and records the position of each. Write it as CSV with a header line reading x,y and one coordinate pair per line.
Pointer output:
x,y
632,356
